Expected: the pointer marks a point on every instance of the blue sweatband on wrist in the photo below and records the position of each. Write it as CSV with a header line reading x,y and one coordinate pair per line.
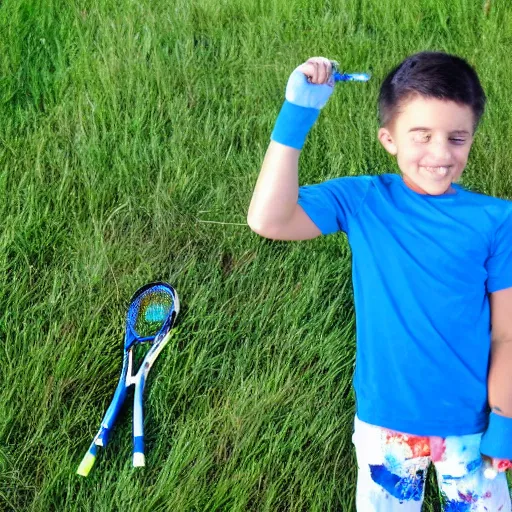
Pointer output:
x,y
497,439
293,124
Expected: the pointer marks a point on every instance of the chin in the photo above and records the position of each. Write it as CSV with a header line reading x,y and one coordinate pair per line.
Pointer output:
x,y
438,192
435,188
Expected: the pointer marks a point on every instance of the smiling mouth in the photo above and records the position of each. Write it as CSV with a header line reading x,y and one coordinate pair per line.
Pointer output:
x,y
437,171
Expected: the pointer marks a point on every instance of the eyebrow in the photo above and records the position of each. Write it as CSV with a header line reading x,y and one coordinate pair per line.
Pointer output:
x,y
424,129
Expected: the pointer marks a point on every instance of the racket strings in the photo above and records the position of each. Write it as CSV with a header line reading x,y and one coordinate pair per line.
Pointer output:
x,y
149,311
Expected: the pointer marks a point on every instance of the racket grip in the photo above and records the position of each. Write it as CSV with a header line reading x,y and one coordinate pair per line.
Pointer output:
x,y
139,459
103,437
138,424
115,406
88,461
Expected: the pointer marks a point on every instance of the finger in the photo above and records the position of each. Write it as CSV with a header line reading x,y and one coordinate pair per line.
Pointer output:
x,y
494,465
490,462
308,68
314,75
318,70
327,69
501,464
324,71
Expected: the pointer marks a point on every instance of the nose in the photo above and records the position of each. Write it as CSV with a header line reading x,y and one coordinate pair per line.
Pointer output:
x,y
440,152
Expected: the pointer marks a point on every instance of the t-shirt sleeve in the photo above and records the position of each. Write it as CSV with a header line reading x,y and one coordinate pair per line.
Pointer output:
x,y
499,264
331,204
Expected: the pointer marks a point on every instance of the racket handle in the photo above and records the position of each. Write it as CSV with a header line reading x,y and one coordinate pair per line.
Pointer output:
x,y
139,459
138,424
88,461
114,407
102,437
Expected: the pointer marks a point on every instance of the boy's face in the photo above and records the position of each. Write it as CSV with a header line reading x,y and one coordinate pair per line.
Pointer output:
x,y
431,140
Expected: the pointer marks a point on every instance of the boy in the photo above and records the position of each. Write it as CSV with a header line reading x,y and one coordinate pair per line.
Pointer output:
x,y
432,272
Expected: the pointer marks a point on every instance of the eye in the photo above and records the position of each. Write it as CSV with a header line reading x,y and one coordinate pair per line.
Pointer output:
x,y
422,137
458,141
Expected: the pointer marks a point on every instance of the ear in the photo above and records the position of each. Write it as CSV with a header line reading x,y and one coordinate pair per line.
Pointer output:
x,y
386,139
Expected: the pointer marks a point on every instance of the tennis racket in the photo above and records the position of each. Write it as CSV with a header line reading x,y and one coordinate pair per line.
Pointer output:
x,y
150,318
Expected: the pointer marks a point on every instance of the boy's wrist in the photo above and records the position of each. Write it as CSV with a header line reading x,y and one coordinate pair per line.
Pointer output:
x,y
293,124
497,439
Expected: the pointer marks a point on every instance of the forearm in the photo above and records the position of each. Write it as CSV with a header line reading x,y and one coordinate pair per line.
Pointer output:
x,y
500,378
496,439
273,211
277,189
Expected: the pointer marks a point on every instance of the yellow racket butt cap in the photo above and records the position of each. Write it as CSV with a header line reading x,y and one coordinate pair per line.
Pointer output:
x,y
86,464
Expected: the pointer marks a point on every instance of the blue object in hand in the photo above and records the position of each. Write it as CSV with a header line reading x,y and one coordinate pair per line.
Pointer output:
x,y
351,77
303,104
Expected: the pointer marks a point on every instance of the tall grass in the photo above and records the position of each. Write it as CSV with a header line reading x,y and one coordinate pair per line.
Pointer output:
x,y
131,136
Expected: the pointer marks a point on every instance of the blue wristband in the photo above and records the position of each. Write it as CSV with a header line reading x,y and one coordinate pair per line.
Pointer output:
x,y
497,439
293,124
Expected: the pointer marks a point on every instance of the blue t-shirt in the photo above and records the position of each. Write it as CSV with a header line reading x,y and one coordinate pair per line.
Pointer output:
x,y
422,268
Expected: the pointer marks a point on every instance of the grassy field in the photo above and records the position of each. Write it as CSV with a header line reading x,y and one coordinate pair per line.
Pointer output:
x,y
132,133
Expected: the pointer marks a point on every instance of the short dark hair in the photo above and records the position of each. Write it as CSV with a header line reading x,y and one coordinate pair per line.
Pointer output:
x,y
431,75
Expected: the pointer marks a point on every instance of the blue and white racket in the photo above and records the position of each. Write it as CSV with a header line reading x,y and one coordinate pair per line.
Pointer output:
x,y
151,316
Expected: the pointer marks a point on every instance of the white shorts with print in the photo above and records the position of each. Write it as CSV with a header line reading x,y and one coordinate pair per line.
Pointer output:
x,y
392,470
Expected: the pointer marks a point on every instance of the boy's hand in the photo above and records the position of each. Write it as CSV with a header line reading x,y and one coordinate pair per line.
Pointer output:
x,y
500,465
311,84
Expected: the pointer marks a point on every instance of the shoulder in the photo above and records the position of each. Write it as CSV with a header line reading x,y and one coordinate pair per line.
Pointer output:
x,y
384,180
493,215
482,199
342,185
497,210
351,180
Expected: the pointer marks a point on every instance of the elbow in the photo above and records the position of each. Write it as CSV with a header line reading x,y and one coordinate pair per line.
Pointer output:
x,y
260,227
255,224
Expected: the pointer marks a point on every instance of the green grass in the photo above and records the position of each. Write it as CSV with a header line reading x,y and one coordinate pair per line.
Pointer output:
x,y
132,133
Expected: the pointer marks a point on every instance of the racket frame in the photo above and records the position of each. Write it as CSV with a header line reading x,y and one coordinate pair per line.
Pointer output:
x,y
126,380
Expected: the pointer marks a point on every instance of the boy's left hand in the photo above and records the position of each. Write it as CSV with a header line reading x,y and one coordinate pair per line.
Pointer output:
x,y
311,84
500,465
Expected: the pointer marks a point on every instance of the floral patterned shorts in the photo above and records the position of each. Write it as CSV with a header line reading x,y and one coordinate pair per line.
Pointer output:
x,y
392,470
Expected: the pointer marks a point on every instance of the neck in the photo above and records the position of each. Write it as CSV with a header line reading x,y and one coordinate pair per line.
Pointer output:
x,y
419,190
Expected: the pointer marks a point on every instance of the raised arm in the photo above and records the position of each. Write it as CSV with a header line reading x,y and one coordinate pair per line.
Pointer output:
x,y
274,211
